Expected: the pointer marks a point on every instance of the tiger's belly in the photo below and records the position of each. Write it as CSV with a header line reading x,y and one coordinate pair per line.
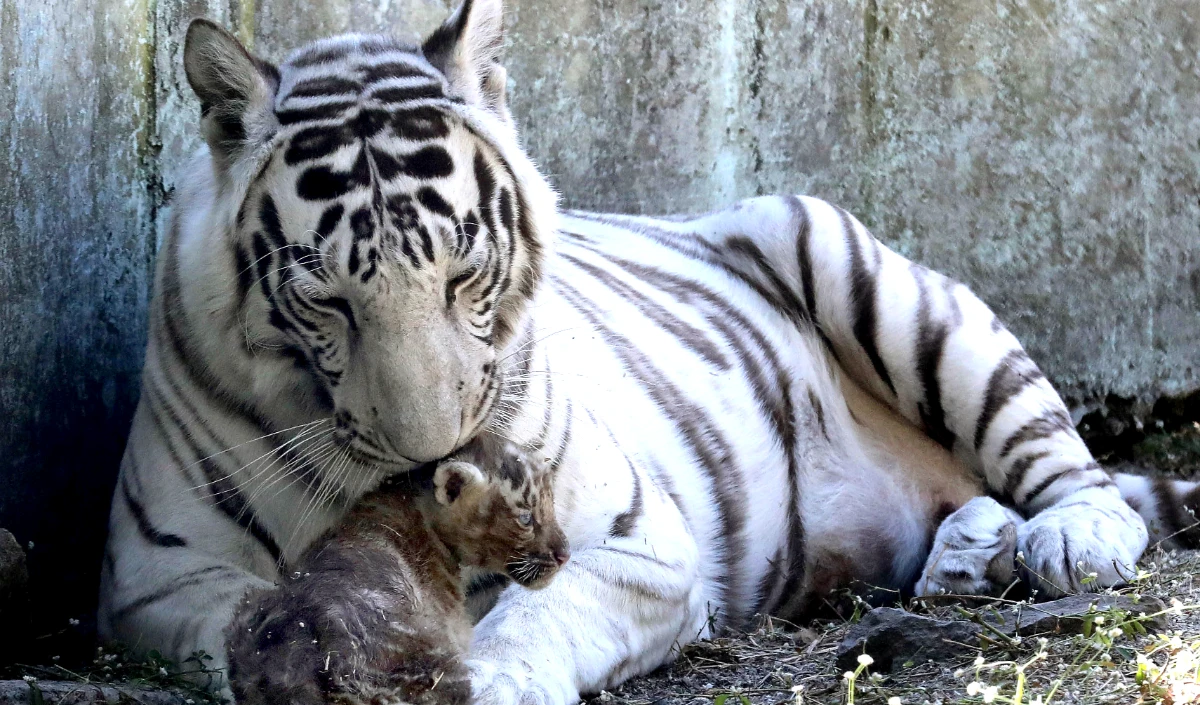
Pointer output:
x,y
732,409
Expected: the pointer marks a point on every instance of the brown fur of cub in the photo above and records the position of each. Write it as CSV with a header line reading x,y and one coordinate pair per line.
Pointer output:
x,y
374,611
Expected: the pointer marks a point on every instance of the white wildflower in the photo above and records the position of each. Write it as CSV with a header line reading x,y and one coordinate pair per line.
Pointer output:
x,y
973,688
1100,619
894,700
29,679
978,661
73,622
990,693
848,675
162,671
865,660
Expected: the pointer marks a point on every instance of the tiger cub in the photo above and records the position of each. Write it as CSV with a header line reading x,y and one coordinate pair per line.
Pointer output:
x,y
377,603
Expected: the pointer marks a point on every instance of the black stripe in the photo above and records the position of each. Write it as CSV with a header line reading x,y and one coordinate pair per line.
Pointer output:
x,y
793,308
430,162
930,347
185,580
485,180
325,85
394,69
330,219
623,523
689,336
564,444
314,56
145,527
863,292
804,255
420,123
432,200
269,215
1013,373
327,111
404,94
1052,422
315,143
321,183
819,410
1018,470
708,445
1050,479
245,270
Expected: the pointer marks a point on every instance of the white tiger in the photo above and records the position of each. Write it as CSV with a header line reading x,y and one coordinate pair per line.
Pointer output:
x,y
746,410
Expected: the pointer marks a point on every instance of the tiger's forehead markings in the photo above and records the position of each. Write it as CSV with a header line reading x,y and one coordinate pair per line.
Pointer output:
x,y
358,113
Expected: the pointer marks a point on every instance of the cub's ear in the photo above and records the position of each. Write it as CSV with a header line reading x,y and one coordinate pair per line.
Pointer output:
x,y
455,479
466,49
236,91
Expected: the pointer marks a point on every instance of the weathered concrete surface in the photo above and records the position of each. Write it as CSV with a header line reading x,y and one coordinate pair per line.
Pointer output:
x,y
76,234
1047,153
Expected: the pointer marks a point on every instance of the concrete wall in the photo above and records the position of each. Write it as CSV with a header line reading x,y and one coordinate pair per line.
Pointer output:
x,y
1046,152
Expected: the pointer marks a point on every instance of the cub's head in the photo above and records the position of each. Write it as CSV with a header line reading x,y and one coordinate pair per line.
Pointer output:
x,y
496,510
372,229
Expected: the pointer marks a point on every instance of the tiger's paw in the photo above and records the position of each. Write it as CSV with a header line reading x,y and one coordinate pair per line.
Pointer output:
x,y
503,684
973,551
1090,540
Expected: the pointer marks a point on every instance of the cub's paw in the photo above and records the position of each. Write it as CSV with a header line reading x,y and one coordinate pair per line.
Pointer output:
x,y
275,655
973,551
1088,541
496,684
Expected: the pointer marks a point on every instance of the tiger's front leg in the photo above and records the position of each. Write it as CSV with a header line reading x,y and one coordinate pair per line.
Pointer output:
x,y
617,609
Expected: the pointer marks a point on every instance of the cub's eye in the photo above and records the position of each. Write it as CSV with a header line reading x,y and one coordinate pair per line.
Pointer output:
x,y
525,518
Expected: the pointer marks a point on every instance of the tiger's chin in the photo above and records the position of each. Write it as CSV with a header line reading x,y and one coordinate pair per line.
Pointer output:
x,y
532,573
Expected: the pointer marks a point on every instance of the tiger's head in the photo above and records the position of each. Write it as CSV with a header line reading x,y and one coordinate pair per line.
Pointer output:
x,y
494,506
374,230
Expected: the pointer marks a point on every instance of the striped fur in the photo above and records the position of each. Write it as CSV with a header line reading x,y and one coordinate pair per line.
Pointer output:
x,y
742,411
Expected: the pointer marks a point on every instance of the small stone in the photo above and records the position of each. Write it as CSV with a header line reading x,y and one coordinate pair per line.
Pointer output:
x,y
14,596
1066,616
893,637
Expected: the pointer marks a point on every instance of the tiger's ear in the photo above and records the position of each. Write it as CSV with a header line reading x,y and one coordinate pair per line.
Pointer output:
x,y
236,91
466,49
454,480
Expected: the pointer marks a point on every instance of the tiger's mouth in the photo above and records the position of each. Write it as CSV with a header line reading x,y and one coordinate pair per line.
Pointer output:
x,y
532,572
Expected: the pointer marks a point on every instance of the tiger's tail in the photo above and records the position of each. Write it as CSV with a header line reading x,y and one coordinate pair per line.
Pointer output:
x,y
1168,505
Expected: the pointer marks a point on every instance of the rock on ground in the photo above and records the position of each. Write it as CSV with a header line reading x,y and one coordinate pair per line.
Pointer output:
x,y
14,596
68,693
893,638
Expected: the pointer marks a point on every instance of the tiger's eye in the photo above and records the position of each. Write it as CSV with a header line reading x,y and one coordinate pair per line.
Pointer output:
x,y
525,518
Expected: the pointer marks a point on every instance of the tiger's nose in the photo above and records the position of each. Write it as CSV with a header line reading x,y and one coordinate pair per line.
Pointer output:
x,y
560,556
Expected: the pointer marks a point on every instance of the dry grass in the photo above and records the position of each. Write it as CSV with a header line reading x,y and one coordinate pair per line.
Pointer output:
x,y
1117,661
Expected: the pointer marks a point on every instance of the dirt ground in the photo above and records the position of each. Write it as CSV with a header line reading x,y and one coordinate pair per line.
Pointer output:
x,y
779,663
1118,658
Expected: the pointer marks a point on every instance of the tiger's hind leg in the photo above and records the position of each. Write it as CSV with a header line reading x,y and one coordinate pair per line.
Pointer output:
x,y
930,350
